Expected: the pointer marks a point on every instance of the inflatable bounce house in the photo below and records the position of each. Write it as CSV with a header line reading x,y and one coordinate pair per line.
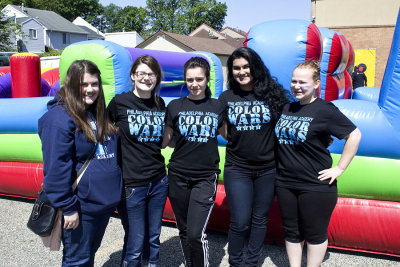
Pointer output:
x,y
368,211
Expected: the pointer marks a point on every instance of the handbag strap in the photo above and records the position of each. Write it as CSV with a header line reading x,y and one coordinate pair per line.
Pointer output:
x,y
83,168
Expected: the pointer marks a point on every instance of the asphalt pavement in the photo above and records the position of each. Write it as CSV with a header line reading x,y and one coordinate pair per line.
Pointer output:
x,y
20,247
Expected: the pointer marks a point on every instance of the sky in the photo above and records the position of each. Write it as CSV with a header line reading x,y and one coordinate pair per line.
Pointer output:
x,y
243,14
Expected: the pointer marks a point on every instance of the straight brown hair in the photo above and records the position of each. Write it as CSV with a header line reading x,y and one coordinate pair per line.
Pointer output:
x,y
71,94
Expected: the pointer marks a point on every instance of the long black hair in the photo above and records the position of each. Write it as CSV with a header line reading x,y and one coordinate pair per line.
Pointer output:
x,y
199,62
265,87
71,94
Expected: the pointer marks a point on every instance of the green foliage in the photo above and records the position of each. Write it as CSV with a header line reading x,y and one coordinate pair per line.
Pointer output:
x,y
183,16
69,9
178,16
52,52
8,32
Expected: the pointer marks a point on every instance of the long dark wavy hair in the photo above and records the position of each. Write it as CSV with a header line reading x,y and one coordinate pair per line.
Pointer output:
x,y
153,64
199,62
265,87
71,96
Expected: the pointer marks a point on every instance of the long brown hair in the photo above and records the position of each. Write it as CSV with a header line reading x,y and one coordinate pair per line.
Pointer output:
x,y
71,94
153,64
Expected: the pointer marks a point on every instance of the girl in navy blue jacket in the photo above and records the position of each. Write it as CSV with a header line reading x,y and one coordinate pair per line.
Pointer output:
x,y
76,121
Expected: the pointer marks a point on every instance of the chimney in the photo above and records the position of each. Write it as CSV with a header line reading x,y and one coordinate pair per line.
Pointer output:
x,y
22,7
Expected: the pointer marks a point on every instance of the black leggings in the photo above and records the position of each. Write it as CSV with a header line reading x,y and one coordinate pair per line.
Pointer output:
x,y
192,200
306,214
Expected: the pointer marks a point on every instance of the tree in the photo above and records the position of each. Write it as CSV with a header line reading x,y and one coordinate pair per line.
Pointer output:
x,y
69,9
183,16
132,19
129,18
110,17
8,32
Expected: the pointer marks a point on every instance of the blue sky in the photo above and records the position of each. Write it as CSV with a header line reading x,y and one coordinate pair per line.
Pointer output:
x,y
245,13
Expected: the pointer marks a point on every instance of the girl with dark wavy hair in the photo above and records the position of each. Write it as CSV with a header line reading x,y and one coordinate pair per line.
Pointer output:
x,y
75,125
252,106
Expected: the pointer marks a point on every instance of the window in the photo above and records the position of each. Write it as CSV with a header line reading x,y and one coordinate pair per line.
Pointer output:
x,y
66,38
32,33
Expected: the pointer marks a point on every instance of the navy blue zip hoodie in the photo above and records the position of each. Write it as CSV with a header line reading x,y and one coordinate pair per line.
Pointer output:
x,y
65,149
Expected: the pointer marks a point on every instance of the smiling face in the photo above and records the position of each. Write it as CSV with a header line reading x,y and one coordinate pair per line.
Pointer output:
x,y
145,80
303,85
90,89
196,81
241,73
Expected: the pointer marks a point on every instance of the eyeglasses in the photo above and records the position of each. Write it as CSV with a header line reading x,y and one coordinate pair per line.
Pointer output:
x,y
142,74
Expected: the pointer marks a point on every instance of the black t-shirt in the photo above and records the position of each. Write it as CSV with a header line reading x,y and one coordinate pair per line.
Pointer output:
x,y
250,131
359,79
195,124
141,126
303,133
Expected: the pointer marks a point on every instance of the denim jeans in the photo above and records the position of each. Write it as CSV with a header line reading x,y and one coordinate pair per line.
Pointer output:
x,y
249,193
141,216
81,244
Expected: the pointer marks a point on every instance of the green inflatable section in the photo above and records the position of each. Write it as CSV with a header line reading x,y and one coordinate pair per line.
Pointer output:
x,y
20,148
96,53
370,178
212,82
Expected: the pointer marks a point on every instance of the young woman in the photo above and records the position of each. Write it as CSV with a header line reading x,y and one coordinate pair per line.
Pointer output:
x,y
139,116
253,103
306,182
193,168
74,124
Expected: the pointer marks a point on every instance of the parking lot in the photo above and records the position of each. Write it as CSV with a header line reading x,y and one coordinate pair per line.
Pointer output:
x,y
20,247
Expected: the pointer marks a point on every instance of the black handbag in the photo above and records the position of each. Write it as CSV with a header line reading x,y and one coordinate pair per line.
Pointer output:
x,y
42,216
41,220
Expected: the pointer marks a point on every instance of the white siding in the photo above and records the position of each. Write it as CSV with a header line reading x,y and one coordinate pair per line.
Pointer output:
x,y
161,43
125,39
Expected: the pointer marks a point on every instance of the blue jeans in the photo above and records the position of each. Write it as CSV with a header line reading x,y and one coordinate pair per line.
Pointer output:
x,y
81,244
249,193
141,216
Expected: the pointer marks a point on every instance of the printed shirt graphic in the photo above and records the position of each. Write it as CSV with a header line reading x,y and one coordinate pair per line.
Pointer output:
x,y
146,126
292,129
250,131
303,133
195,124
141,126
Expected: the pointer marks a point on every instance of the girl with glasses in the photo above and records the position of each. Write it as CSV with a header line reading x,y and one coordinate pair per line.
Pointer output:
x,y
139,115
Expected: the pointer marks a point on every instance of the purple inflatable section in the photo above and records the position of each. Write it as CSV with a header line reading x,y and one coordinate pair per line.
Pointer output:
x,y
5,87
171,62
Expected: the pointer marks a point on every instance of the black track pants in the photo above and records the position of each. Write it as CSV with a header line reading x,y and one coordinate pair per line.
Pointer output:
x,y
192,200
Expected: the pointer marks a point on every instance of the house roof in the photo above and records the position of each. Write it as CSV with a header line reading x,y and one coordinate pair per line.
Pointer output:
x,y
239,31
235,42
215,46
211,32
91,34
51,20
